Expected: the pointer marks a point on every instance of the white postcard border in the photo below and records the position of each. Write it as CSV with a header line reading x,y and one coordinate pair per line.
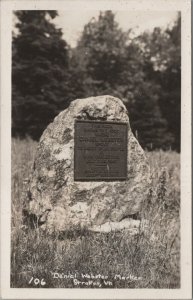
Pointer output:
x,y
186,241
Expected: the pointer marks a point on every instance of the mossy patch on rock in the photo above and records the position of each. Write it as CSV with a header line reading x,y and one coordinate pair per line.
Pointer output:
x,y
59,202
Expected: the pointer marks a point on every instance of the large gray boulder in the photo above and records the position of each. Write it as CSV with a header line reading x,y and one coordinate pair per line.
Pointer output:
x,y
59,203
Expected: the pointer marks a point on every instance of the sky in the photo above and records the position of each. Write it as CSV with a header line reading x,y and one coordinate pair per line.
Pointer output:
x,y
72,22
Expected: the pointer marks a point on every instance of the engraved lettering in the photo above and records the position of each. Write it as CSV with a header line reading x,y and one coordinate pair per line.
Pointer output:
x,y
100,151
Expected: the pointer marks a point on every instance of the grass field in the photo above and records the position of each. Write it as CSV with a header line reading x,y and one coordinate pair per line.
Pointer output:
x,y
148,260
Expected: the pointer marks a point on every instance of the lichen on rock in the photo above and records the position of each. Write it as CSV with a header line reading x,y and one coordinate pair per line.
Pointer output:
x,y
56,200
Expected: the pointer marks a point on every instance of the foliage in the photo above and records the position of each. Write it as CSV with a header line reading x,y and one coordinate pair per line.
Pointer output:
x,y
100,54
141,94
144,71
162,57
114,63
170,80
40,71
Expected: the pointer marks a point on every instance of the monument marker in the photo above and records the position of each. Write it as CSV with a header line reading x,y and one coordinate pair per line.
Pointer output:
x,y
100,151
89,169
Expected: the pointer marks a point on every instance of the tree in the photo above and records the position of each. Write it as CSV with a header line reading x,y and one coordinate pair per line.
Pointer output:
x,y
141,94
100,54
171,82
162,56
114,63
39,73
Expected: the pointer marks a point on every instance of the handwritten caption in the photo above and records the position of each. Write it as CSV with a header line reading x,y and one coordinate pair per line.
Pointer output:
x,y
85,279
37,281
93,280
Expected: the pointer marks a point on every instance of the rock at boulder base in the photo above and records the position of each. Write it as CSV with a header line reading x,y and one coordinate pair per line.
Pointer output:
x,y
57,201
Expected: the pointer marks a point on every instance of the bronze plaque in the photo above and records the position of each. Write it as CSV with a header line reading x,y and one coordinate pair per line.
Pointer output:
x,y
100,151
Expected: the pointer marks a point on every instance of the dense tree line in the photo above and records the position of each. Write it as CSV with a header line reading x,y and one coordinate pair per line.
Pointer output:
x,y
145,72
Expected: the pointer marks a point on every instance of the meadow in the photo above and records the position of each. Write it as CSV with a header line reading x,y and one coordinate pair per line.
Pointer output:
x,y
150,259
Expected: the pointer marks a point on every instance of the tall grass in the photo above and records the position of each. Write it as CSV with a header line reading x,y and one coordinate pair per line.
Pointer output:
x,y
151,258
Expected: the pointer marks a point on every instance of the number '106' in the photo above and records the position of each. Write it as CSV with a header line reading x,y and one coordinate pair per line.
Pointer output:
x,y
37,281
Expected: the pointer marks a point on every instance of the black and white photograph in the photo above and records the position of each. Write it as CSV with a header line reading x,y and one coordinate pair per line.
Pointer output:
x,y
99,195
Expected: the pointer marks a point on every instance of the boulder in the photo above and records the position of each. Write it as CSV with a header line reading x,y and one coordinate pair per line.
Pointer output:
x,y
56,201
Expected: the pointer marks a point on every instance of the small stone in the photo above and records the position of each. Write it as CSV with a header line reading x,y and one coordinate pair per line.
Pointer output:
x,y
129,225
